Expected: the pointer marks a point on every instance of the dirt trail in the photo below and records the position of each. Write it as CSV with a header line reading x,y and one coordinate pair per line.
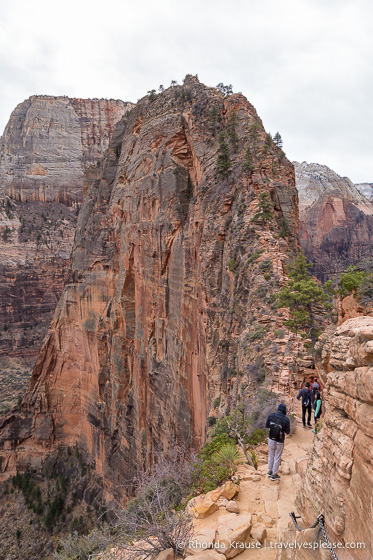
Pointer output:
x,y
262,497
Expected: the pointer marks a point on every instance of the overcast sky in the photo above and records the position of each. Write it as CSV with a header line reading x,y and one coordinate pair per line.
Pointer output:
x,y
306,65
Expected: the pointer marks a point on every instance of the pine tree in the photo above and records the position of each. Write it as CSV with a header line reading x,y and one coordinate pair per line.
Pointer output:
x,y
302,294
248,164
265,209
278,140
224,163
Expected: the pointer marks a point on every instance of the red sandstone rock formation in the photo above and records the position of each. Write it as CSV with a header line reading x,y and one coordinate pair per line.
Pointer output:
x,y
339,478
170,283
336,220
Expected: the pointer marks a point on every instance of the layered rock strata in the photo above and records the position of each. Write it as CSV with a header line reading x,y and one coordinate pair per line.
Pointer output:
x,y
169,278
335,219
339,478
47,145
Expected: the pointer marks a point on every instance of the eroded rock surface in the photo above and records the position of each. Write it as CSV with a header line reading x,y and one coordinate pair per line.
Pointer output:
x,y
168,275
339,477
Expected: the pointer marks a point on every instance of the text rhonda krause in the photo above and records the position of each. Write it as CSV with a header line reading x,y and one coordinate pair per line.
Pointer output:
x,y
223,545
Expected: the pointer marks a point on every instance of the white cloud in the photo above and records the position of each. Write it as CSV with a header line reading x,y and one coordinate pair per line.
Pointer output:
x,y
305,64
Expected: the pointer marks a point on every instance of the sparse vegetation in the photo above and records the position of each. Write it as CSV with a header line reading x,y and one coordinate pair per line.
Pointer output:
x,y
224,162
265,209
232,265
225,90
301,294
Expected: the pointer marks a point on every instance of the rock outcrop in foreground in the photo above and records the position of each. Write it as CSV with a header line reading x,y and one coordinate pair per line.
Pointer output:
x,y
335,219
339,476
47,145
169,275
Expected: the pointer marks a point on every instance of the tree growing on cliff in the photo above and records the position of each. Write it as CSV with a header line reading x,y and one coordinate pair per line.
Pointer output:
x,y
248,163
278,140
232,130
225,90
265,209
302,295
224,163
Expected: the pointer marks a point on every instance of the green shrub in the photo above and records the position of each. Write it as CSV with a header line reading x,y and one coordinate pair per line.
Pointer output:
x,y
232,265
350,281
255,256
365,289
257,436
227,456
211,421
216,402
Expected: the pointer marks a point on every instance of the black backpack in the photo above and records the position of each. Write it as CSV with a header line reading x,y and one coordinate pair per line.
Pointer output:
x,y
276,431
306,398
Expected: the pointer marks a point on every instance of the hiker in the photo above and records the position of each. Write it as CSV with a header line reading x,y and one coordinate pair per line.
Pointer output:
x,y
315,387
278,425
317,407
307,399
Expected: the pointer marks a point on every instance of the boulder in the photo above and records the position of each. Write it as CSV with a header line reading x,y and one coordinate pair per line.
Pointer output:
x,y
201,541
232,507
229,490
234,534
204,509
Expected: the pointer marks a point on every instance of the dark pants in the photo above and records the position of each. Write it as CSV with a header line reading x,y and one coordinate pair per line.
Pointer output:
x,y
304,410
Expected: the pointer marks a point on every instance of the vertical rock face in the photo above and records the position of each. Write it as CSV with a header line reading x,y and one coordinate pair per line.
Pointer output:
x,y
339,477
50,141
167,275
47,145
336,220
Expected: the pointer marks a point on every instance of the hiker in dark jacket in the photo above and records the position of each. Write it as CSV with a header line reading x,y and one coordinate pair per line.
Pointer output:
x,y
278,425
307,399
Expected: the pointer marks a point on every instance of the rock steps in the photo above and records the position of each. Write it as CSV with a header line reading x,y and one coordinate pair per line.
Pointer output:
x,y
268,502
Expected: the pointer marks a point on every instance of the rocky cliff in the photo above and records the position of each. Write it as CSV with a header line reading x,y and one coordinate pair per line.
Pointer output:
x,y
50,141
168,302
366,189
47,145
339,479
336,220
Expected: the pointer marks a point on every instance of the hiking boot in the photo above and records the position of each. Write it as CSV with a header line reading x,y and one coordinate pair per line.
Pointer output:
x,y
309,425
275,477
269,473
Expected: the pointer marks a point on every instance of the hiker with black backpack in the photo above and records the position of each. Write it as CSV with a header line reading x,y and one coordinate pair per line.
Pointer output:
x,y
315,387
307,399
279,425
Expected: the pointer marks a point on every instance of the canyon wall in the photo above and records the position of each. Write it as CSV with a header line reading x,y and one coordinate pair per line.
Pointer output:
x,y
47,145
336,220
50,141
339,477
171,284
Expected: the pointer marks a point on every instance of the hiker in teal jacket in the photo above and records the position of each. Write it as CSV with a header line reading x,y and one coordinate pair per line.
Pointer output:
x,y
317,407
